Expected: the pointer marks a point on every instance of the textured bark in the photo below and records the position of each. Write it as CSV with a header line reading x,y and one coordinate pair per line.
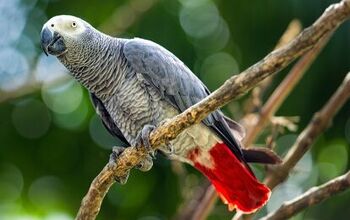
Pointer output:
x,y
232,88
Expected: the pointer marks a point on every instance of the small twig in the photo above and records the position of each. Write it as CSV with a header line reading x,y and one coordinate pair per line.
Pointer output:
x,y
313,196
232,88
318,124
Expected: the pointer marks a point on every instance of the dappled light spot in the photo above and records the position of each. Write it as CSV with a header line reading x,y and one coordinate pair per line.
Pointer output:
x,y
199,18
303,173
46,193
217,68
281,193
14,69
216,41
332,160
58,216
31,118
27,216
11,183
49,69
284,142
75,119
132,195
13,12
63,98
17,216
100,135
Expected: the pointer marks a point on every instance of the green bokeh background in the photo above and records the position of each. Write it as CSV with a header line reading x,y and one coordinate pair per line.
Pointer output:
x,y
52,144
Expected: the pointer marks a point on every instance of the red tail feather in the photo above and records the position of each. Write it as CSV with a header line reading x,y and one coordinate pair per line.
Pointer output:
x,y
234,182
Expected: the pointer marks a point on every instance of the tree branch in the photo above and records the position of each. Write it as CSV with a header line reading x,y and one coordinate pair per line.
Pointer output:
x,y
232,88
318,124
313,196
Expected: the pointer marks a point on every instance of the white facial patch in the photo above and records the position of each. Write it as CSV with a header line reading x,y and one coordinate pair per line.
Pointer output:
x,y
66,25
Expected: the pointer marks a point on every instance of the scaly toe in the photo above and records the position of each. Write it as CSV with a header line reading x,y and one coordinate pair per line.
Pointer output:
x,y
146,164
122,179
116,152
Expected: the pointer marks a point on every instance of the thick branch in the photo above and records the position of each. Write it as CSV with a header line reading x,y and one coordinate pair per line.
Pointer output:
x,y
313,196
318,124
234,87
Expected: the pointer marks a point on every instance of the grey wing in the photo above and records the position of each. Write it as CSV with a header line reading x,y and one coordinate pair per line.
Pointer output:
x,y
176,82
107,120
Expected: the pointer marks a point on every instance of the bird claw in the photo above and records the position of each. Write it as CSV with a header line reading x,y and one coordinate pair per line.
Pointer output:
x,y
168,148
143,139
146,164
116,152
122,179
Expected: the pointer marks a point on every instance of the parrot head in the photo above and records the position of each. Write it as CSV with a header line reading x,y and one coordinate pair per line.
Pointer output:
x,y
62,34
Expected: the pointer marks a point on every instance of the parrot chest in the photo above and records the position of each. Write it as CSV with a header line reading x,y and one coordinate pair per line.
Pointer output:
x,y
136,104
132,106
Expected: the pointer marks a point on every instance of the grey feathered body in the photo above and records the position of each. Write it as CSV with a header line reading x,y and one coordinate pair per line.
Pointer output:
x,y
130,100
137,82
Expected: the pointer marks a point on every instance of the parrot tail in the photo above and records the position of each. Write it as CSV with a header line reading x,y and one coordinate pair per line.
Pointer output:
x,y
233,180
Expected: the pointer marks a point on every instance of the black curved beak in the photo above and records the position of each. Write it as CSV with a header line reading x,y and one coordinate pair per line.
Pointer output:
x,y
52,42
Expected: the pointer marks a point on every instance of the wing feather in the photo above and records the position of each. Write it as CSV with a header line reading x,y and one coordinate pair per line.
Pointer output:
x,y
107,120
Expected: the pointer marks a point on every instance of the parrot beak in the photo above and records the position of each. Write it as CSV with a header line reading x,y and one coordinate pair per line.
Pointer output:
x,y
52,42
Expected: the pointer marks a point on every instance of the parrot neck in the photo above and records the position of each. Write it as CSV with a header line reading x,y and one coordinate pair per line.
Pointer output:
x,y
97,66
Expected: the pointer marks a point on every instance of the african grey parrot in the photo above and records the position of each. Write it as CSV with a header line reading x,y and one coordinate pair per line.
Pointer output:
x,y
135,84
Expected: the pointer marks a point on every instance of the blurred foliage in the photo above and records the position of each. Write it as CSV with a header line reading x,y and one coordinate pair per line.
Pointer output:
x,y
52,144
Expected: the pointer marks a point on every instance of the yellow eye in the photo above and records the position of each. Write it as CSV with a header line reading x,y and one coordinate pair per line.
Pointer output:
x,y
74,24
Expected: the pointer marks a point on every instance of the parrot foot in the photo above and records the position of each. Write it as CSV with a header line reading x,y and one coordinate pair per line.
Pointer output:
x,y
116,152
146,164
143,139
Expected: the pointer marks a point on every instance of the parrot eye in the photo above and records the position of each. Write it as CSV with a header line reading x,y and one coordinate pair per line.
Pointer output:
x,y
74,24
